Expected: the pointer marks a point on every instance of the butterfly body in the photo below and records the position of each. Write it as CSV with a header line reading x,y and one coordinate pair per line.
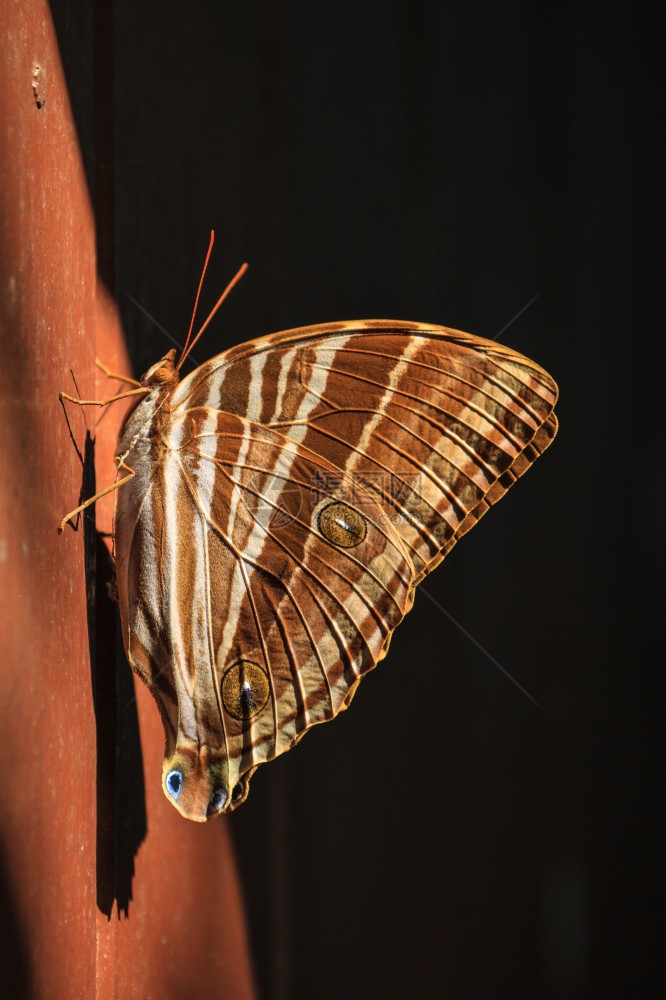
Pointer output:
x,y
288,496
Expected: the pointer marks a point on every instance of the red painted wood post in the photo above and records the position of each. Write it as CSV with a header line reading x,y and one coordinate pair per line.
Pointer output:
x,y
61,841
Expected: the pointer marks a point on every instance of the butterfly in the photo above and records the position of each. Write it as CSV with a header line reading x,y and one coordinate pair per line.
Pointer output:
x,y
281,504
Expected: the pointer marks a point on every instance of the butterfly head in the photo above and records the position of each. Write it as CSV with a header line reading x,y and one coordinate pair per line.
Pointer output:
x,y
163,372
196,781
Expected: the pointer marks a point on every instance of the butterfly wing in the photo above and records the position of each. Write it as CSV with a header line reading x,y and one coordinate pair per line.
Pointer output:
x,y
254,595
288,496
436,424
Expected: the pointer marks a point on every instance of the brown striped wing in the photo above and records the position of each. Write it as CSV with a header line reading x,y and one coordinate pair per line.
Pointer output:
x,y
288,496
436,424
248,623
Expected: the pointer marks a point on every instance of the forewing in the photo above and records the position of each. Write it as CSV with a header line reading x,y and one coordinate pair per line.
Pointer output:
x,y
436,424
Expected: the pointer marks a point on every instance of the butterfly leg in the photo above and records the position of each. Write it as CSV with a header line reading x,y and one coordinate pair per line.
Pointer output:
x,y
97,496
140,390
110,374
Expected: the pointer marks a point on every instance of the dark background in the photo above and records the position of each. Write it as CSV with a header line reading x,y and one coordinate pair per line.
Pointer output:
x,y
443,162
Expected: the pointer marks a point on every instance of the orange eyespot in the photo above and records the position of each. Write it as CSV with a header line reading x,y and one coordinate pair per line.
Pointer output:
x,y
342,525
245,689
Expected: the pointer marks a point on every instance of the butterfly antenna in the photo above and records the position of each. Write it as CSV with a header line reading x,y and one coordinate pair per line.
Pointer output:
x,y
191,341
187,348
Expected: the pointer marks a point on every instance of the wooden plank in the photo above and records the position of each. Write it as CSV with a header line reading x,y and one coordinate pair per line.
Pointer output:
x,y
104,890
48,320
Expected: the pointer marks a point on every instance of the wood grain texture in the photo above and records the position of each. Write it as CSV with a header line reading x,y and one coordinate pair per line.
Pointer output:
x,y
60,829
